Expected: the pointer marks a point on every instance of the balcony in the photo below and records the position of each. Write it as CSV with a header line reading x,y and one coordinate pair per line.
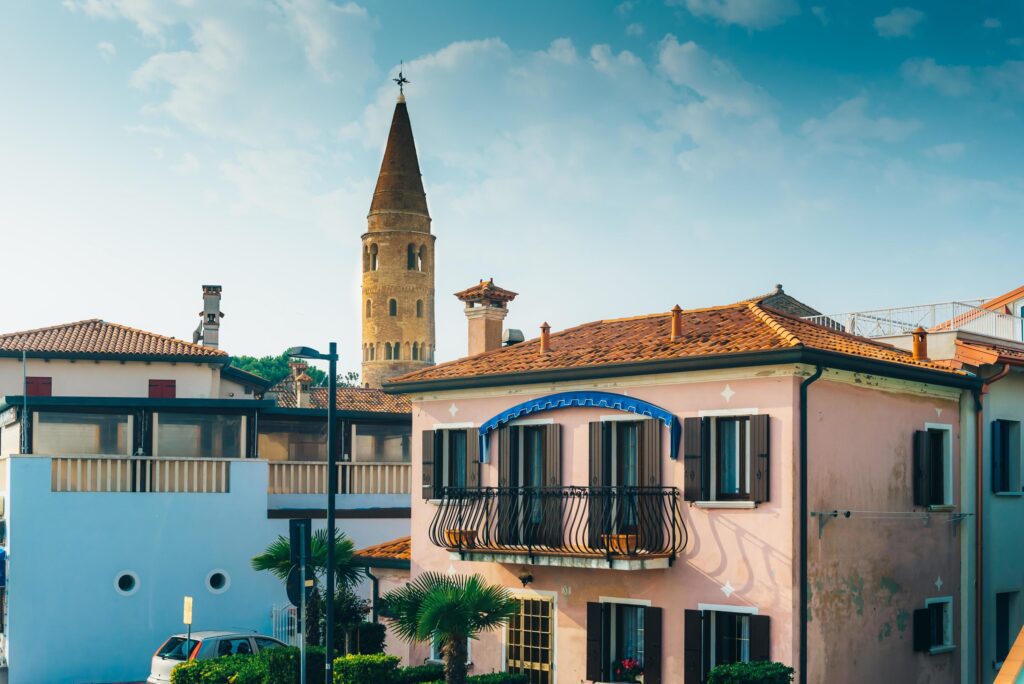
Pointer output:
x,y
945,317
623,528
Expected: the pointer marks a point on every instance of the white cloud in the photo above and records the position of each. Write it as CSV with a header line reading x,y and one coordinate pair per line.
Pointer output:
x,y
953,81
822,14
992,23
320,24
156,131
151,17
945,151
751,14
635,30
900,22
848,128
107,50
712,79
625,7
188,163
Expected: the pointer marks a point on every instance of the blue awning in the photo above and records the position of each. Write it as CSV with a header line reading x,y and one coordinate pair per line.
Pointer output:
x,y
550,402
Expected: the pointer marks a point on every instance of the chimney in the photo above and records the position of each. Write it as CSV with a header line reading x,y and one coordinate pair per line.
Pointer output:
x,y
486,307
211,316
677,323
301,382
545,338
920,348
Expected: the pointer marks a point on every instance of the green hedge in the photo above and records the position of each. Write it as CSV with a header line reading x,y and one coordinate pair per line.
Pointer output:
x,y
366,669
273,666
761,672
493,678
420,674
368,638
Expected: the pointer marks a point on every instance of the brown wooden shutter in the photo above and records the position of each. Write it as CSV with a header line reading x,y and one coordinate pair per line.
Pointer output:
x,y
595,641
505,456
650,454
696,433
998,445
693,647
553,455
596,509
759,461
596,453
760,637
922,470
427,461
551,504
652,645
472,459
922,630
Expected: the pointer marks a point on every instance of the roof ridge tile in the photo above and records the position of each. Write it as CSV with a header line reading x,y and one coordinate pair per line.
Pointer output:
x,y
785,335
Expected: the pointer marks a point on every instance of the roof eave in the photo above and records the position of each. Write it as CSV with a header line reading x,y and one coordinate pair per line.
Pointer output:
x,y
713,362
384,563
222,359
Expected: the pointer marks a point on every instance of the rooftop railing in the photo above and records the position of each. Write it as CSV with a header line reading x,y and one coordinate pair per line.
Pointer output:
x,y
310,477
585,522
967,316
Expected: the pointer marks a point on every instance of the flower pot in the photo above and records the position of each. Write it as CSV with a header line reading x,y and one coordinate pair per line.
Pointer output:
x,y
625,544
460,538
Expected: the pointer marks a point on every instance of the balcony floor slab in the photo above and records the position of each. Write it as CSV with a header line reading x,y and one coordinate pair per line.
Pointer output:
x,y
564,560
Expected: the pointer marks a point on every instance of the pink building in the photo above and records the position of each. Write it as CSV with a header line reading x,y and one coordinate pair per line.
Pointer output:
x,y
661,487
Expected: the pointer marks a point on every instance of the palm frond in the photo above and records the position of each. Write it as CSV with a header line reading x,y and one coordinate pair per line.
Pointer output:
x,y
276,558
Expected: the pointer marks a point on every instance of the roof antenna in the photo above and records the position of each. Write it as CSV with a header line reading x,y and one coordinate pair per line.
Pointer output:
x,y
401,81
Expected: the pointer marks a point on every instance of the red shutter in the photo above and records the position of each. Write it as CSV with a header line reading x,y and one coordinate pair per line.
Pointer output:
x,y
38,386
162,389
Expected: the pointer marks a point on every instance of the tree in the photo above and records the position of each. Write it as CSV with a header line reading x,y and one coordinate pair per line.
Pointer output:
x,y
276,559
274,369
451,609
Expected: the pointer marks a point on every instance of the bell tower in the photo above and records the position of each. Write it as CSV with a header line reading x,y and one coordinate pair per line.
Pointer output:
x,y
398,263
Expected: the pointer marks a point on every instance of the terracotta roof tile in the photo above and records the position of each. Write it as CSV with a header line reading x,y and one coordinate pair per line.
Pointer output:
x,y
486,289
349,398
396,549
742,327
100,337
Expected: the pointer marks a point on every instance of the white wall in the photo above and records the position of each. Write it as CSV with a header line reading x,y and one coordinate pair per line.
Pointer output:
x,y
66,621
114,379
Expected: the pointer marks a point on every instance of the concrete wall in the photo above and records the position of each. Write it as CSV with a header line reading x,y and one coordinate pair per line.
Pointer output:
x,y
869,572
736,557
83,378
67,622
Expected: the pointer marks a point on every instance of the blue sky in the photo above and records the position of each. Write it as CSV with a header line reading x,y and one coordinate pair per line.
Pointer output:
x,y
601,159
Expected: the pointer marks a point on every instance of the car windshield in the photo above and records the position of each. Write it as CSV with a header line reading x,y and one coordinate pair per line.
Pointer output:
x,y
176,648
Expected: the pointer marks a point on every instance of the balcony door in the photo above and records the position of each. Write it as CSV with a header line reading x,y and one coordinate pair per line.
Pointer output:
x,y
529,511
625,474
530,640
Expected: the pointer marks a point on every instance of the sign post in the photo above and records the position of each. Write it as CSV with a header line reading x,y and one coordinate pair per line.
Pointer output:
x,y
187,619
299,584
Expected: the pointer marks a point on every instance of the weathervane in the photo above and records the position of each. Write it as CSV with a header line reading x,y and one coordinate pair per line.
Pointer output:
x,y
401,80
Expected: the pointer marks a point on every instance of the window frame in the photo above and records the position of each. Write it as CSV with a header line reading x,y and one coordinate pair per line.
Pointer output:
x,y
741,499
444,466
947,463
436,656
948,643
1009,457
620,601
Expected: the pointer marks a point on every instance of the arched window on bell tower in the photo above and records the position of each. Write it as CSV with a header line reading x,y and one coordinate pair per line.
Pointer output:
x,y
373,258
421,258
392,307
410,258
397,351
415,351
369,308
387,351
419,309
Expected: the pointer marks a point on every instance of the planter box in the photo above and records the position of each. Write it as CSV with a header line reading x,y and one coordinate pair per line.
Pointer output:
x,y
460,538
625,544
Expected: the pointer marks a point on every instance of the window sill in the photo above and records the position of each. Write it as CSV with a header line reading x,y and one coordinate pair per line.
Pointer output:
x,y
726,504
1009,494
942,508
938,650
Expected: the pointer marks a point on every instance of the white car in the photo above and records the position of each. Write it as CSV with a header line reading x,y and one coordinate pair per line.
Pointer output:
x,y
203,646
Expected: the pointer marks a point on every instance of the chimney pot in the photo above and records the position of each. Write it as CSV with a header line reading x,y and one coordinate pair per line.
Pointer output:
x,y
486,306
677,323
545,338
920,346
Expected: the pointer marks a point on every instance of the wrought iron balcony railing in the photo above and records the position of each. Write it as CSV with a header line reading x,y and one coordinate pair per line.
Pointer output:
x,y
595,522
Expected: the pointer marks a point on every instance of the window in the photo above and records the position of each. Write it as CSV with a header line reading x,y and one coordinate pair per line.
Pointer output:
x,y
392,307
239,646
451,458
421,258
529,459
59,433
726,458
410,258
415,351
264,643
396,351
1005,623
622,637
38,386
292,440
177,648
1006,456
373,257
437,655
720,635
373,352
419,308
933,466
197,435
933,626
369,309
162,389
387,351
381,443
529,643
218,581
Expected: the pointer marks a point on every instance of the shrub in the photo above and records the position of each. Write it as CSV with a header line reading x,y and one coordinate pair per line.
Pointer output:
x,y
273,666
366,669
760,672
421,674
368,638
499,678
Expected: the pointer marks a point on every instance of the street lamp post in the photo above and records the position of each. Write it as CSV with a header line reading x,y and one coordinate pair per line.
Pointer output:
x,y
332,486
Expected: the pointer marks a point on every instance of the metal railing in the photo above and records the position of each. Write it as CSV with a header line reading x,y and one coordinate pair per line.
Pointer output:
x,y
139,474
944,317
608,522
310,477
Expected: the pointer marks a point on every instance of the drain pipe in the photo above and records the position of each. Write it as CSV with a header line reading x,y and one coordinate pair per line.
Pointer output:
x,y
375,581
804,600
979,508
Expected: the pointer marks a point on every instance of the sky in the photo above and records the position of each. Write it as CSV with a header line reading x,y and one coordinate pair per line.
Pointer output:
x,y
602,159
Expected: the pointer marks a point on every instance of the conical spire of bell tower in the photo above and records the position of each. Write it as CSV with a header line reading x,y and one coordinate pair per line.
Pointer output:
x,y
399,202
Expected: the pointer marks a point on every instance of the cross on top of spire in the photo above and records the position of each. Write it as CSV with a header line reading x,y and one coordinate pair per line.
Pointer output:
x,y
401,80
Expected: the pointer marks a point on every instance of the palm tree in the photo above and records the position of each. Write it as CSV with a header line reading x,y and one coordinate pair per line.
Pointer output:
x,y
451,609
